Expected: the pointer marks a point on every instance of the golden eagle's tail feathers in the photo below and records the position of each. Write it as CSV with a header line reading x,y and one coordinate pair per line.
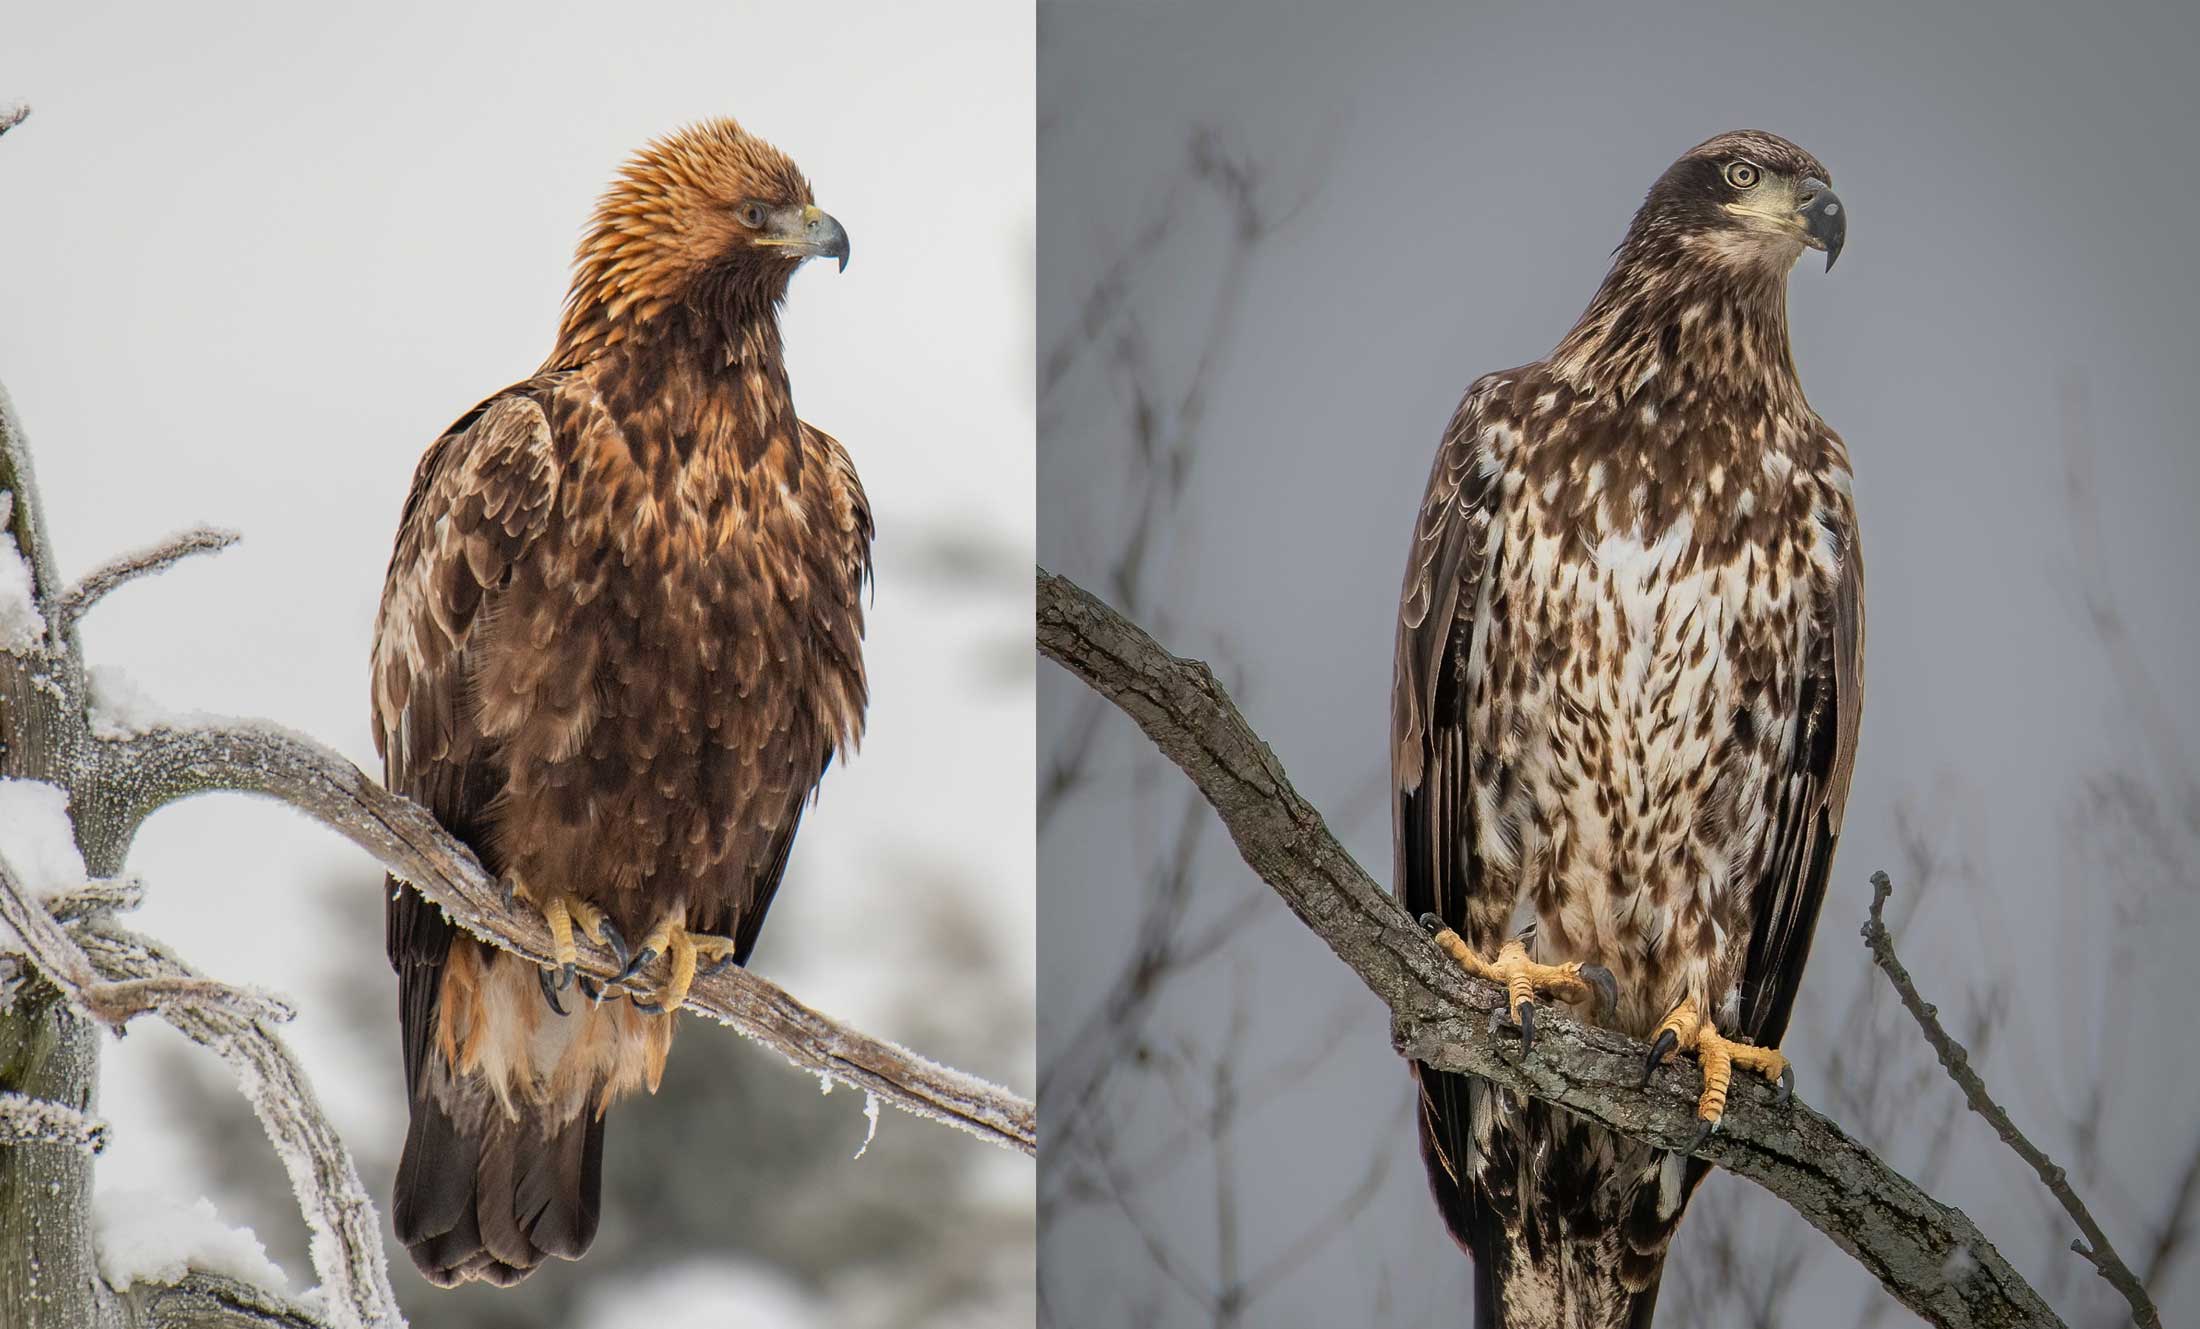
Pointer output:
x,y
481,1195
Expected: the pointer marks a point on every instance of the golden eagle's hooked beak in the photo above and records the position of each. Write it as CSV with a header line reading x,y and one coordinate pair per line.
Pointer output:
x,y
1825,220
811,232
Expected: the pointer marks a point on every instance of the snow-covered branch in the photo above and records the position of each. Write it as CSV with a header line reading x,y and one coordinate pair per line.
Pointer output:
x,y
164,764
159,557
25,1121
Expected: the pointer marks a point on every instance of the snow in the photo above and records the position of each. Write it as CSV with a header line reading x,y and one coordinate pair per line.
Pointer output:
x,y
144,1237
739,1293
21,628
37,837
120,708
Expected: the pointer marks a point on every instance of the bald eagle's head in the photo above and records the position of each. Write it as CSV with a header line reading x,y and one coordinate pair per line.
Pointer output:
x,y
710,219
1745,199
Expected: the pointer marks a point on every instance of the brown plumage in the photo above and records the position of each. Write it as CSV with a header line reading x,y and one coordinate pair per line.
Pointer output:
x,y
1627,690
619,643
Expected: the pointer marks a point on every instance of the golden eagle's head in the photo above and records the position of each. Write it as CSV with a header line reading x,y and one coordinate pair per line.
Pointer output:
x,y
1745,199
710,218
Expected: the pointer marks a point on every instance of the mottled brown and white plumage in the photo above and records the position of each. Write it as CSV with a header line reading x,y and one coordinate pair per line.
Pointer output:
x,y
1627,691
619,643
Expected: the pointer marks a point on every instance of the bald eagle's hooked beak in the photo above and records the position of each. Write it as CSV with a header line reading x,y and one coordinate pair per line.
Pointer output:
x,y
1825,221
811,232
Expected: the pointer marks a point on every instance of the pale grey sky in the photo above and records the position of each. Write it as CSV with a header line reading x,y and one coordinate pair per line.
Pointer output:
x,y
2023,190
254,258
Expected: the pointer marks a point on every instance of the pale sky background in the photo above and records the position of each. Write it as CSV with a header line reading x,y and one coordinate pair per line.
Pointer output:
x,y
254,258
2023,193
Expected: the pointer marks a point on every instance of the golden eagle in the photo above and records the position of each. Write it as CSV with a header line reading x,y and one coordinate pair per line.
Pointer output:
x,y
619,643
1628,680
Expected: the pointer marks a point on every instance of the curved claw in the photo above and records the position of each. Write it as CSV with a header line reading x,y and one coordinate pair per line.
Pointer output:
x,y
1703,1135
1787,1085
1667,1041
635,965
1607,987
717,966
549,990
647,1007
1431,924
566,974
590,989
1524,1014
616,940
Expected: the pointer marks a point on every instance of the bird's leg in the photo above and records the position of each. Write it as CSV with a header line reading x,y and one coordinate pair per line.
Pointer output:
x,y
561,913
1687,1027
1524,979
687,949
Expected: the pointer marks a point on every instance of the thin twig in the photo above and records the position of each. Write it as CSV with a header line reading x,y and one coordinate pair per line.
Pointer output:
x,y
1957,1061
13,114
1441,1018
78,600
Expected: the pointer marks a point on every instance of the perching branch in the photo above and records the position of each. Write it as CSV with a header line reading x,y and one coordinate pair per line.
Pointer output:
x,y
1929,1256
1957,1061
163,765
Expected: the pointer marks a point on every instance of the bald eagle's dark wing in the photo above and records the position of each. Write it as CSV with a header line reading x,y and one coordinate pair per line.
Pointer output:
x,y
1784,911
1432,809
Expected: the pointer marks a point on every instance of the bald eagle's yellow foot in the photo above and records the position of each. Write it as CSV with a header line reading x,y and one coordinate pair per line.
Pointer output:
x,y
1686,1027
561,913
1524,979
686,949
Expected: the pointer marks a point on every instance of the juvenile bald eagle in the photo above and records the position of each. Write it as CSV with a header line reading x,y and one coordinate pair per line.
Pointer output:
x,y
619,643
1627,687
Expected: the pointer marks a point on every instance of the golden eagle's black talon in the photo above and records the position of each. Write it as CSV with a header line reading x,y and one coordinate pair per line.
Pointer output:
x,y
636,965
616,940
1431,924
647,1007
1787,1086
1703,1135
566,973
1524,1015
590,989
1667,1041
1607,987
717,966
549,990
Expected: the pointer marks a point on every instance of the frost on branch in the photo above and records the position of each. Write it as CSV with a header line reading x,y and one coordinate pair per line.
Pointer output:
x,y
28,1121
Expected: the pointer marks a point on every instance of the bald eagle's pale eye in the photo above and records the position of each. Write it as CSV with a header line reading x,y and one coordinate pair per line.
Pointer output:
x,y
1741,175
750,215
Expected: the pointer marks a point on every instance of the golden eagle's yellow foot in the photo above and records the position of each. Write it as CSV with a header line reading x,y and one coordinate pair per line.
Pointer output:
x,y
1524,979
687,950
562,913
1687,1028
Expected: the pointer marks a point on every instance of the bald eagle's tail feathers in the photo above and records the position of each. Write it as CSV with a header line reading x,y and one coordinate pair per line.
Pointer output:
x,y
1567,1224
482,1195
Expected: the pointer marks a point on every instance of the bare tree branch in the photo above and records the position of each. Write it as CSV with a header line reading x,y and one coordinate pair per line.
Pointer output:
x,y
1952,1055
78,600
1931,1257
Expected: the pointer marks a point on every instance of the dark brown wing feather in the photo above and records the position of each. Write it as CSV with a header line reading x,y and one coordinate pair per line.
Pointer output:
x,y
1432,814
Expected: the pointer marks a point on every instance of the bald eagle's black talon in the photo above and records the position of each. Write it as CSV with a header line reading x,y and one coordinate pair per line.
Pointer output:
x,y
1431,924
715,967
647,1007
566,974
591,989
616,940
1787,1086
549,990
1667,1041
1524,1015
1703,1135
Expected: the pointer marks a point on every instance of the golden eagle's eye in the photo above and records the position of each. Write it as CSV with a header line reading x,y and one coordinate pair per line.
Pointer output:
x,y
1741,175
750,215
